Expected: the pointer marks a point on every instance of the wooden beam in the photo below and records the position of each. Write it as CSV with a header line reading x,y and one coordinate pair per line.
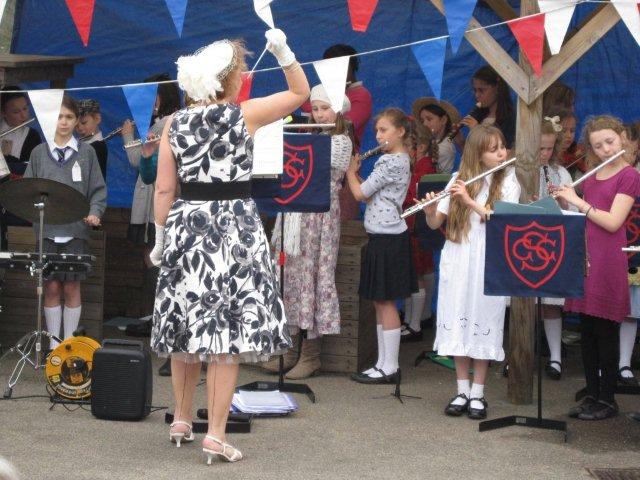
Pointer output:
x,y
502,9
574,49
522,318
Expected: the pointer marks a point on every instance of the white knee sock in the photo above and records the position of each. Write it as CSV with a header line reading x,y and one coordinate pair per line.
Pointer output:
x,y
53,318
628,330
380,362
463,389
429,288
417,301
477,391
408,306
71,318
553,330
391,350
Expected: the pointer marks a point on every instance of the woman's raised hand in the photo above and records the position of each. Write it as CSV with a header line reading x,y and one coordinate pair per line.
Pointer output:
x,y
277,45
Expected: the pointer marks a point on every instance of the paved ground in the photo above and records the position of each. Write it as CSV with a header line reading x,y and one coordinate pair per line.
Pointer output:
x,y
346,434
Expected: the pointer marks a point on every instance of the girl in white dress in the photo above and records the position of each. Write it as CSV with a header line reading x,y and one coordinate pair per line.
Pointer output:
x,y
470,324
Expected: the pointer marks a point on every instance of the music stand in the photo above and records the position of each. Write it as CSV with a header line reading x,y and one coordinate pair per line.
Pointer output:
x,y
19,197
537,252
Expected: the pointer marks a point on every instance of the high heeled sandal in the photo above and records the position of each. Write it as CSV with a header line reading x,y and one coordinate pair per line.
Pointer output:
x,y
234,457
179,437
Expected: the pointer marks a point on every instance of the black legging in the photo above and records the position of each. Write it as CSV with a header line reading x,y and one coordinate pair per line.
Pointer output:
x,y
599,342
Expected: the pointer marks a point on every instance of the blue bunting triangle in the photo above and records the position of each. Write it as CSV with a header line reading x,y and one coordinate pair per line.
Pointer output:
x,y
177,9
141,100
430,56
458,13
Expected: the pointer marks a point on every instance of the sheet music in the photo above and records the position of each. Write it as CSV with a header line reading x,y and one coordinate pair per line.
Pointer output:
x,y
268,150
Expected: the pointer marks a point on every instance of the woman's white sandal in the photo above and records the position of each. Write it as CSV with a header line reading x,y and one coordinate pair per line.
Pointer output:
x,y
178,437
234,457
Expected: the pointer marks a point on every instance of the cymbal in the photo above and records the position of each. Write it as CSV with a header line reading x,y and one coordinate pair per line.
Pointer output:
x,y
62,203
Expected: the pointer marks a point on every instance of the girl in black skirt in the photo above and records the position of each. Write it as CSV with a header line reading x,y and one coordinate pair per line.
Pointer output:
x,y
387,271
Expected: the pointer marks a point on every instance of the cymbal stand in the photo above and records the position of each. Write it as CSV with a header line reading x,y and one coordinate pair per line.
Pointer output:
x,y
29,347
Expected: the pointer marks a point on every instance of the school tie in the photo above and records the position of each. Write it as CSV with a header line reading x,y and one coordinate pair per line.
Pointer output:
x,y
61,152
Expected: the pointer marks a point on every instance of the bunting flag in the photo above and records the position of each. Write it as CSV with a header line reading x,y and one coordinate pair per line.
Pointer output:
x,y
333,76
141,99
46,106
3,4
177,9
529,33
245,88
458,13
558,14
630,15
82,15
263,9
361,12
430,57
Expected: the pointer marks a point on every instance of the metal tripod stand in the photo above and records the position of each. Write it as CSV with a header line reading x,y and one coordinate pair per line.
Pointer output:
x,y
29,347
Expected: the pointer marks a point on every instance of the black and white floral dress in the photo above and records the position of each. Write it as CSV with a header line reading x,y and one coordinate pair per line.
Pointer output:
x,y
217,297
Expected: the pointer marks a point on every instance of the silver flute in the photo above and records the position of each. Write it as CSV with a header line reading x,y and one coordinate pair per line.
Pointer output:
x,y
595,169
374,151
17,127
445,193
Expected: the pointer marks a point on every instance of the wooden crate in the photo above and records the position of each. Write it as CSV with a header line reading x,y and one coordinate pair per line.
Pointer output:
x,y
355,347
18,298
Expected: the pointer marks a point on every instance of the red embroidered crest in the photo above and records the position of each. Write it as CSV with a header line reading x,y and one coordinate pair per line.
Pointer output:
x,y
298,169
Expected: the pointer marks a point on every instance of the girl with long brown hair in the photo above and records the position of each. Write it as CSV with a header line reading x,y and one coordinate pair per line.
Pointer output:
x,y
470,324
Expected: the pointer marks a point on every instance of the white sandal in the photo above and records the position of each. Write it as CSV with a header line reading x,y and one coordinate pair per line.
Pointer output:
x,y
178,437
236,456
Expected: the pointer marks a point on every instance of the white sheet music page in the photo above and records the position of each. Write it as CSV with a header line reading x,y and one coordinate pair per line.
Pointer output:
x,y
268,150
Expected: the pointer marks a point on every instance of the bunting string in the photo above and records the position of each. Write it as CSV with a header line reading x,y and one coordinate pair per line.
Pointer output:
x,y
359,54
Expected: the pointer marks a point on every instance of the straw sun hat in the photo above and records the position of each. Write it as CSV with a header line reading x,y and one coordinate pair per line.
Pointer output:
x,y
422,102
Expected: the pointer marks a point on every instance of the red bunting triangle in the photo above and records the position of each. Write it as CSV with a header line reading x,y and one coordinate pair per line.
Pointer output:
x,y
82,14
245,88
529,33
361,12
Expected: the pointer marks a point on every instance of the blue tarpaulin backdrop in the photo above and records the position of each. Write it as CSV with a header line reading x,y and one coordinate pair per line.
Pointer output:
x,y
131,40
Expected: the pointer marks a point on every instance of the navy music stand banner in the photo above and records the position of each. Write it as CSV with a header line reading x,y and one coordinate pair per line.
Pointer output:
x,y
534,255
430,239
305,182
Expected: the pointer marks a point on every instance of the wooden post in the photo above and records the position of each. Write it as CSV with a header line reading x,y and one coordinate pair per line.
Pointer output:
x,y
522,317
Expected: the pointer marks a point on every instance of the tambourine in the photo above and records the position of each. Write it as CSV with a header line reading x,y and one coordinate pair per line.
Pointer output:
x,y
69,365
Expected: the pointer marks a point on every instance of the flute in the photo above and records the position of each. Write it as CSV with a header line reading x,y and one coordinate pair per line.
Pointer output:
x,y
420,205
373,151
138,142
454,131
108,136
595,169
17,127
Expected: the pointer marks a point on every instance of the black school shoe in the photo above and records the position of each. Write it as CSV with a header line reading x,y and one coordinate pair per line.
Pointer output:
x,y
382,380
478,413
587,402
455,410
600,411
627,381
552,372
409,335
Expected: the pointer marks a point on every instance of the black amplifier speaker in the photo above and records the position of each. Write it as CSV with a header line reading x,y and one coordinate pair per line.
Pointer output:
x,y
122,381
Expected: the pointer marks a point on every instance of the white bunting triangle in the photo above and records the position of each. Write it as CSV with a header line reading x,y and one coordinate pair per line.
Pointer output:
x,y
3,4
630,15
557,17
263,9
333,76
46,105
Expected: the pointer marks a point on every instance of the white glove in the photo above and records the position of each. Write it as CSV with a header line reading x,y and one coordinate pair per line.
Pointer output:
x,y
156,254
277,45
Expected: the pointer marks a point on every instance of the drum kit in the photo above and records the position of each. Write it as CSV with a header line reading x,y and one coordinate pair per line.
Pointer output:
x,y
68,366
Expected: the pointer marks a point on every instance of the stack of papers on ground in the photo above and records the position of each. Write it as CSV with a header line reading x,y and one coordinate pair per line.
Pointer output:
x,y
260,403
